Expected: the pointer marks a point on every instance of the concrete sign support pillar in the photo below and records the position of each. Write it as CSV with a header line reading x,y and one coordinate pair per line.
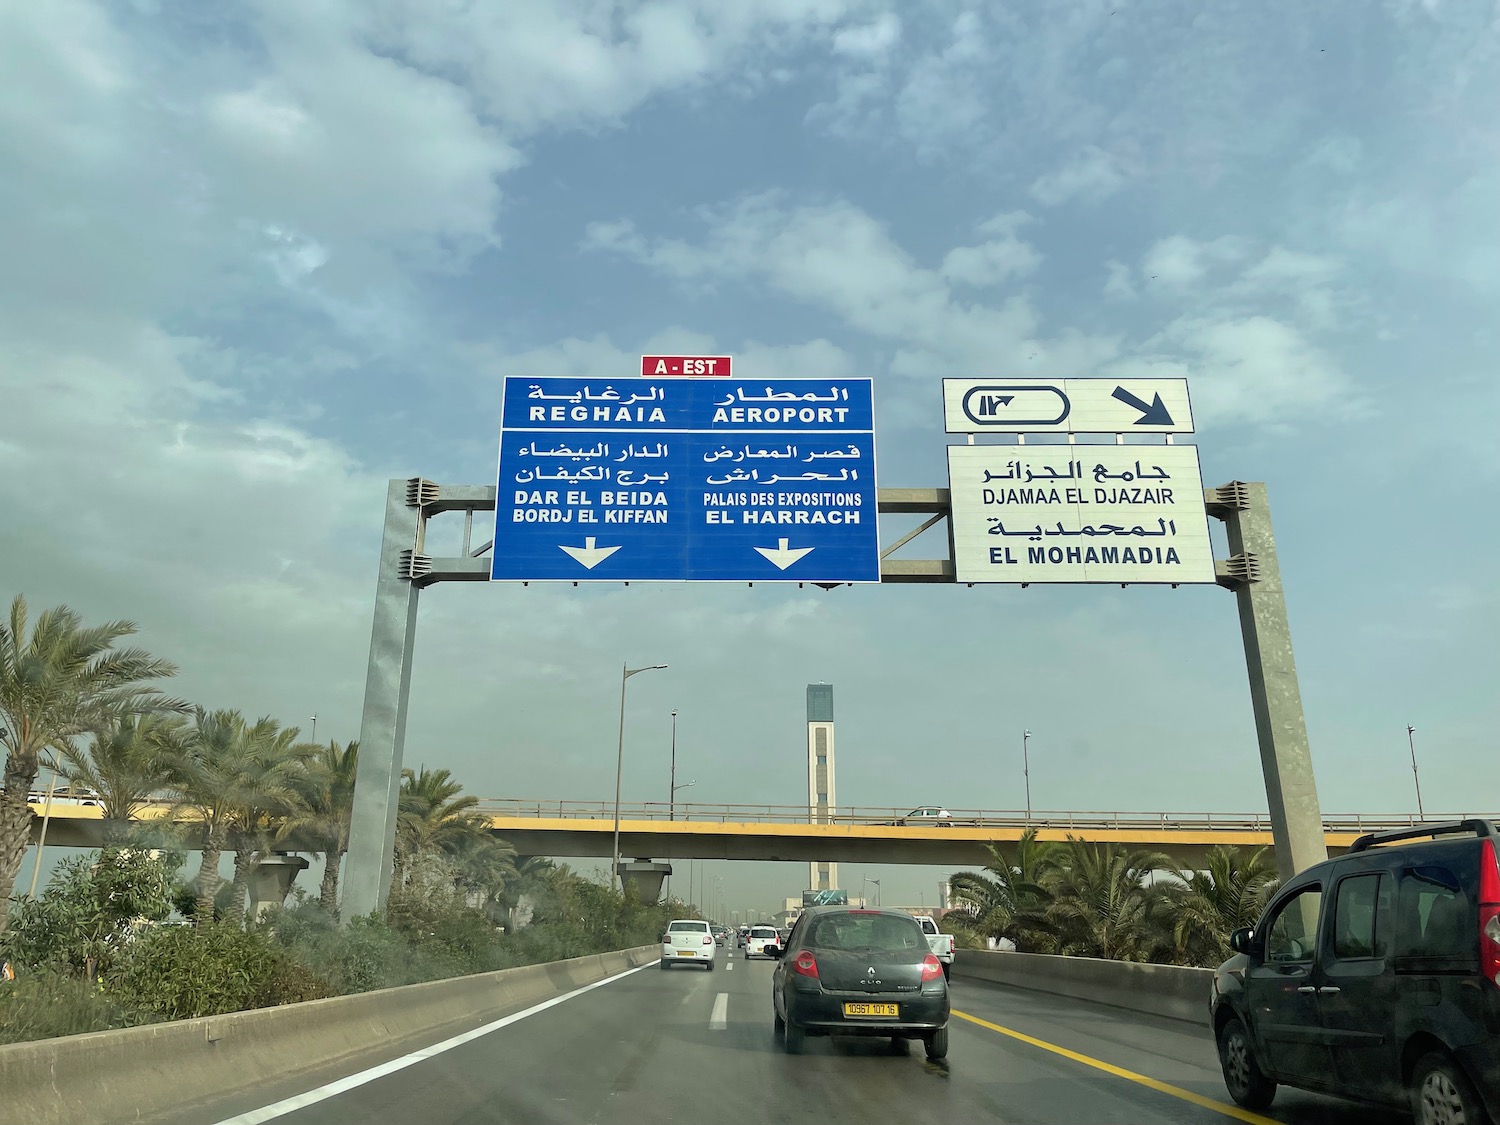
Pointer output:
x,y
382,731
1253,573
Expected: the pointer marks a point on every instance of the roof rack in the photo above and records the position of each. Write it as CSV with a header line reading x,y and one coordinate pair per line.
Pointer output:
x,y
1472,827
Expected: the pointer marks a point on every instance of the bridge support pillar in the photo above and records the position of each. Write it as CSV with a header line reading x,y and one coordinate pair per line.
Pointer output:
x,y
643,878
382,730
1253,573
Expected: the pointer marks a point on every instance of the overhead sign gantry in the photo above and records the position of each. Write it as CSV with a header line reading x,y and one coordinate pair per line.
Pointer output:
x,y
774,480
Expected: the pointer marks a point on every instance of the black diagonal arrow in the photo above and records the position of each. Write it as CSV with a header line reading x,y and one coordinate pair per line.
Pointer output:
x,y
1153,413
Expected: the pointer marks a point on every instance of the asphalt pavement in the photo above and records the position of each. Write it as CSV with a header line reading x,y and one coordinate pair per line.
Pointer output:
x,y
686,1045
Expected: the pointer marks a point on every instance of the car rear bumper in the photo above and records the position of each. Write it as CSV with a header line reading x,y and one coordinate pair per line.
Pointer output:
x,y
824,1012
671,953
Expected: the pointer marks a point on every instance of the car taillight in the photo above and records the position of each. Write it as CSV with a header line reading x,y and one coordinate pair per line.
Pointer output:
x,y
806,965
1489,912
708,939
932,968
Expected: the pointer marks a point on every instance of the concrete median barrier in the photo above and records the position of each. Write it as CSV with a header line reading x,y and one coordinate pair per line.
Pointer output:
x,y
135,1073
1161,990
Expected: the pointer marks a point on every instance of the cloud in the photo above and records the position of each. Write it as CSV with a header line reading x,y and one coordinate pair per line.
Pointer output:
x,y
869,39
1118,285
1180,262
995,260
1091,176
577,63
1248,369
837,256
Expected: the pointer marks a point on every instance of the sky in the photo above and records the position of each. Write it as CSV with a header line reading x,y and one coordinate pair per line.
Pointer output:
x,y
257,259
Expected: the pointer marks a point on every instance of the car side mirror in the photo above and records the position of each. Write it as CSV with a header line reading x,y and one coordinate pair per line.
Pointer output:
x,y
772,950
1242,940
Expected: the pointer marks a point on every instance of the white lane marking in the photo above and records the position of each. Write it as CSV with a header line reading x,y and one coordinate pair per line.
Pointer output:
x,y
719,1020
729,966
343,1085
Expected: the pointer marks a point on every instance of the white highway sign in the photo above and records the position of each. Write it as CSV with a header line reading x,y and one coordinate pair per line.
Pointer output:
x,y
1079,513
1074,406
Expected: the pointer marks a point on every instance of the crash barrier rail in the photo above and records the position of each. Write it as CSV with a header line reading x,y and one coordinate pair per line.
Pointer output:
x,y
1159,990
134,1073
981,818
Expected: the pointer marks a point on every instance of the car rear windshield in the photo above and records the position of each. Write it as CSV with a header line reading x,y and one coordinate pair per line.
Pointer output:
x,y
866,932
689,927
761,931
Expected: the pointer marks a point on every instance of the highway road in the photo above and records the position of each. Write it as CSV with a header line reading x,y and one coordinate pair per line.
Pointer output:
x,y
688,1045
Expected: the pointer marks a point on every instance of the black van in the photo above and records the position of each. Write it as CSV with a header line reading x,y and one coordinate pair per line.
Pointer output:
x,y
1374,976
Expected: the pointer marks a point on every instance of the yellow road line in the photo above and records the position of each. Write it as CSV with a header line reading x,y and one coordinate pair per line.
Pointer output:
x,y
1225,1108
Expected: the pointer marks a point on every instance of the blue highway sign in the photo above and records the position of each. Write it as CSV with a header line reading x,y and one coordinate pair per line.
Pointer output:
x,y
639,479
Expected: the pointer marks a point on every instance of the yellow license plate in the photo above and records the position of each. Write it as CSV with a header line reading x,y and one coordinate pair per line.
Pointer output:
x,y
684,953
872,1010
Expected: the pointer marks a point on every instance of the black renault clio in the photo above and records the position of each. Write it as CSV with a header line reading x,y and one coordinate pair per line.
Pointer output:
x,y
850,971
1374,976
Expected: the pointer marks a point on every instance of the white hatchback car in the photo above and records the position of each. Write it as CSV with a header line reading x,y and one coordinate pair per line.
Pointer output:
x,y
760,937
688,941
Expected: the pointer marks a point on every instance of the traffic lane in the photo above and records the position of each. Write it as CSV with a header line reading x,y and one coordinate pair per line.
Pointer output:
x,y
661,1046
1167,1050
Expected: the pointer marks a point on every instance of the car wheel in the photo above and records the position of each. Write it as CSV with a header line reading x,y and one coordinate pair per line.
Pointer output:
x,y
777,1022
947,971
1442,1095
1243,1078
937,1044
665,964
793,1037
712,961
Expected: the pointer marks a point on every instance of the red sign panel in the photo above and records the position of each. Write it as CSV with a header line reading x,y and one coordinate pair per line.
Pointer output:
x,y
688,365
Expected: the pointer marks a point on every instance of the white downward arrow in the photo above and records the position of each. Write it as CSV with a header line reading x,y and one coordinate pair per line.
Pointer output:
x,y
782,555
591,556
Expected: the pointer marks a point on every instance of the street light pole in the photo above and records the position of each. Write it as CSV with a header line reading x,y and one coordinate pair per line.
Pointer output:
x,y
672,801
1026,768
877,892
625,673
1411,742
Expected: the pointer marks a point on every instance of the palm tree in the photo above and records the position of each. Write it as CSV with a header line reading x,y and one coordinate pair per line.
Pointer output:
x,y
1007,898
485,869
327,802
58,683
1229,893
271,789
1101,905
126,765
432,816
232,776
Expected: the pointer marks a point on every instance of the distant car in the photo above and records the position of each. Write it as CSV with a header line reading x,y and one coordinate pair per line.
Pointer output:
x,y
721,935
928,814
1374,976
851,971
688,941
741,935
760,937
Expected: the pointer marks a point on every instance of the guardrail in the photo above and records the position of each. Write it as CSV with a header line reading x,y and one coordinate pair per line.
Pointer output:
x,y
1159,990
979,818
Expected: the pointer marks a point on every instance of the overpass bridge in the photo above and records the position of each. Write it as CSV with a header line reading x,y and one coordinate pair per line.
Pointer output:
x,y
876,835
570,829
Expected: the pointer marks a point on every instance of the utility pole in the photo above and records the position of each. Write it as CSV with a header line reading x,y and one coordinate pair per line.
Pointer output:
x,y
1026,768
1411,742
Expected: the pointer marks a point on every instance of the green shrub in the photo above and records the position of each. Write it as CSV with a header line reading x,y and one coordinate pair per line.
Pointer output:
x,y
360,957
90,911
47,1003
180,972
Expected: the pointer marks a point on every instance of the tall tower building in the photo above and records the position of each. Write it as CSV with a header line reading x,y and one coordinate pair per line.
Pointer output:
x,y
820,794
